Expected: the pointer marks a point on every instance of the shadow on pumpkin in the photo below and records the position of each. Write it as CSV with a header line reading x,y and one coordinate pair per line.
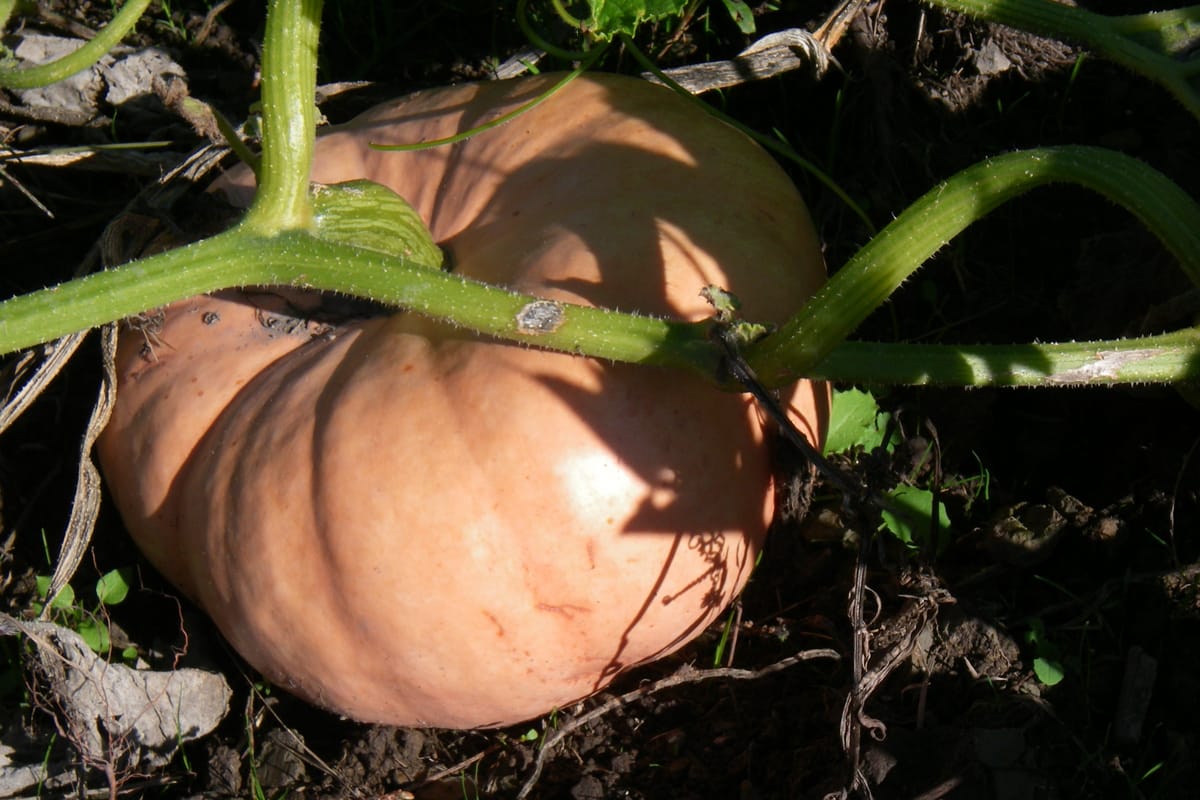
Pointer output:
x,y
613,193
705,479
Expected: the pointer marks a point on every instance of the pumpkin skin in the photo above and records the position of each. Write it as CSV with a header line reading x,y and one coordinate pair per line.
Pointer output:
x,y
408,524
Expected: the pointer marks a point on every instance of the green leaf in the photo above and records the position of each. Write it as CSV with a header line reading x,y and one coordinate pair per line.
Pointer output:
x,y
95,634
856,421
741,14
611,18
1049,672
1046,665
63,600
113,586
910,517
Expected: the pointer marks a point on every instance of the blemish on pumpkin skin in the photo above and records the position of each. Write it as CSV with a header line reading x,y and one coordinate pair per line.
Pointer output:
x,y
492,619
567,611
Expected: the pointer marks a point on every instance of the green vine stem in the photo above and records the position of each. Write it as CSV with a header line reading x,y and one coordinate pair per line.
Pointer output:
x,y
810,344
537,40
276,245
1176,31
923,228
7,7
85,56
289,118
566,16
590,58
1144,43
1166,358
299,259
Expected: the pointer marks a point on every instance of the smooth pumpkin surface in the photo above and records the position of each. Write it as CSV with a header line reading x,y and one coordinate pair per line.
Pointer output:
x,y
405,523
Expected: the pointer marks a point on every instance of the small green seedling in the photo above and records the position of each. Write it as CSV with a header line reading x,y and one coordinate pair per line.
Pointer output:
x,y
67,610
726,636
1046,664
857,422
975,488
909,517
741,15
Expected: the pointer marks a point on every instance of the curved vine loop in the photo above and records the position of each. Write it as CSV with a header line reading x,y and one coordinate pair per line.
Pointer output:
x,y
33,77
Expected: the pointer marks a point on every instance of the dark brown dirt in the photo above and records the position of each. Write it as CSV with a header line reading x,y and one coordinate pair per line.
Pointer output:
x,y
1075,512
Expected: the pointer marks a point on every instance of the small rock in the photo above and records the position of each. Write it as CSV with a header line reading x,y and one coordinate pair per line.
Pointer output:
x,y
990,59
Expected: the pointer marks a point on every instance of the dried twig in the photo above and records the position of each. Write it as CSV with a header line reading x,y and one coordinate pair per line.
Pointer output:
x,y
85,507
455,769
908,628
5,177
22,390
854,718
210,22
148,163
773,54
86,504
838,22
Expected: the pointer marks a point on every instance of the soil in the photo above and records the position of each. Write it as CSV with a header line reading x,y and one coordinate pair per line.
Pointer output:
x,y
1046,651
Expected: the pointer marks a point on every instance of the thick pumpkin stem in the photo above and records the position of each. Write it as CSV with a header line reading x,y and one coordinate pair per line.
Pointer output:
x,y
289,82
